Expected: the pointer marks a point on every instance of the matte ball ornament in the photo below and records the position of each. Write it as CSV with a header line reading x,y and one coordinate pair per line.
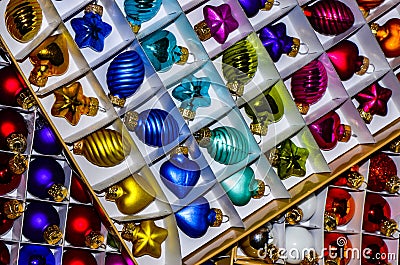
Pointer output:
x,y
218,23
383,174
373,100
195,218
13,131
377,215
83,227
103,148
41,223
328,131
179,173
251,8
45,140
140,11
11,168
225,144
125,75
339,208
50,58
46,179
4,254
376,251
23,19
131,195
366,5
154,127
329,17
78,257
276,42
242,186
347,61
36,255
9,211
78,190
388,36
162,50
336,248
351,178
239,66
303,211
308,85
302,240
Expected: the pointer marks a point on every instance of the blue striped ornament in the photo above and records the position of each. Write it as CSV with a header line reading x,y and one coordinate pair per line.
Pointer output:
x,y
139,11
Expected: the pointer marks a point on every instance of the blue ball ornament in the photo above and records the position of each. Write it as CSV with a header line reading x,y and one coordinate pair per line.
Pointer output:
x,y
45,141
36,255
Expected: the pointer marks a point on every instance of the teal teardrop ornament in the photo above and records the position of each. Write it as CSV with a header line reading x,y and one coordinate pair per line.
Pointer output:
x,y
139,11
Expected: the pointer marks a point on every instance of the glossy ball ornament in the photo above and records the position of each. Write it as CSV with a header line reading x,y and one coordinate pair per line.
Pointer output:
x,y
239,65
195,218
154,127
388,36
351,178
78,190
140,11
179,173
376,251
46,179
104,148
36,255
41,223
131,195
4,254
13,131
329,17
125,75
260,243
339,208
225,145
45,141
9,210
78,257
303,211
301,239
377,215
115,259
346,60
366,5
83,227
336,248
10,172
23,20
328,130
251,8
308,85
383,174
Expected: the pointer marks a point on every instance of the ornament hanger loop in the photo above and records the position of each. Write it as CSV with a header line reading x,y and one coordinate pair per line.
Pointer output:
x,y
259,142
191,59
277,3
103,246
269,191
226,219
307,49
371,68
102,109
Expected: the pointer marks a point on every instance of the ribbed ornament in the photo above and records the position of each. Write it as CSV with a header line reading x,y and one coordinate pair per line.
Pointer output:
x,y
139,11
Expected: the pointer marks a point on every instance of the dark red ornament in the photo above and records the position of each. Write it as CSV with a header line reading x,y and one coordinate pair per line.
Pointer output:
x,y
9,180
339,208
375,251
9,211
13,130
336,248
78,257
4,254
377,215
383,174
78,191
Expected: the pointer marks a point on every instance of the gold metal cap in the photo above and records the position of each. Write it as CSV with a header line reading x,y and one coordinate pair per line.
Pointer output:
x,y
97,9
180,150
78,147
26,100
236,88
365,12
18,164
394,146
354,180
295,48
346,135
260,190
94,240
116,101
393,184
294,216
187,114
335,261
330,221
202,30
184,55
274,157
218,217
129,232
93,106
388,227
258,129
268,5
303,108
374,28
37,79
310,258
273,252
131,119
114,192
13,209
16,142
135,28
364,66
52,234
203,136
366,116
58,192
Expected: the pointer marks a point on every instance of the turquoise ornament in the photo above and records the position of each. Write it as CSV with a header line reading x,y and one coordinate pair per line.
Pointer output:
x,y
225,145
162,50
139,11
193,93
124,76
242,186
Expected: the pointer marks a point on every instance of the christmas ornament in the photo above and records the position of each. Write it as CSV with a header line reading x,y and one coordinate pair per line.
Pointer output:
x,y
328,130
46,179
195,218
13,131
351,178
23,19
41,223
303,211
90,30
146,238
218,23
130,196
388,36
112,241
104,148
276,42
308,85
239,65
9,211
124,76
14,91
154,127
162,51
339,208
140,11
83,227
11,168
383,174
329,17
50,58
289,159
45,140
242,186
251,8
115,259
179,173
336,248
78,257
36,255
4,254
193,93
373,100
264,109
344,57
394,145
70,103
78,190
225,144
377,215
366,5
301,239
375,251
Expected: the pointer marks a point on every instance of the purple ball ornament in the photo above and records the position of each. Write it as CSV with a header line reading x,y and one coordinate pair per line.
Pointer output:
x,y
252,7
45,141
117,259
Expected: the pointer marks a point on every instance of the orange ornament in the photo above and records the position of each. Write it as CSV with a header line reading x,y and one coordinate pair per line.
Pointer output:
x,y
388,36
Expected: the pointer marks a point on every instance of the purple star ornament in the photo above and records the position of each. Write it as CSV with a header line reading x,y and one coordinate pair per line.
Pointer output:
x,y
218,23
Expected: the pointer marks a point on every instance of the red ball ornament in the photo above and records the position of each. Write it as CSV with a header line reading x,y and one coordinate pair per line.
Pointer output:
x,y
78,191
9,210
78,257
9,180
336,248
374,251
351,178
377,215
13,131
339,208
383,174
4,254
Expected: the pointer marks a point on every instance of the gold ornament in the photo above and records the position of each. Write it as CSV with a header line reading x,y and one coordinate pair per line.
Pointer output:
x,y
104,148
23,19
130,196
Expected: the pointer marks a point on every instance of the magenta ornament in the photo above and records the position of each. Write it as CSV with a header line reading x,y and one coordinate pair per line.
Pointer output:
x,y
218,23
309,85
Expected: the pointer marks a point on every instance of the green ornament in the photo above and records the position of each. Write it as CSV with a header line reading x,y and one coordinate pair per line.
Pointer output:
x,y
112,241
